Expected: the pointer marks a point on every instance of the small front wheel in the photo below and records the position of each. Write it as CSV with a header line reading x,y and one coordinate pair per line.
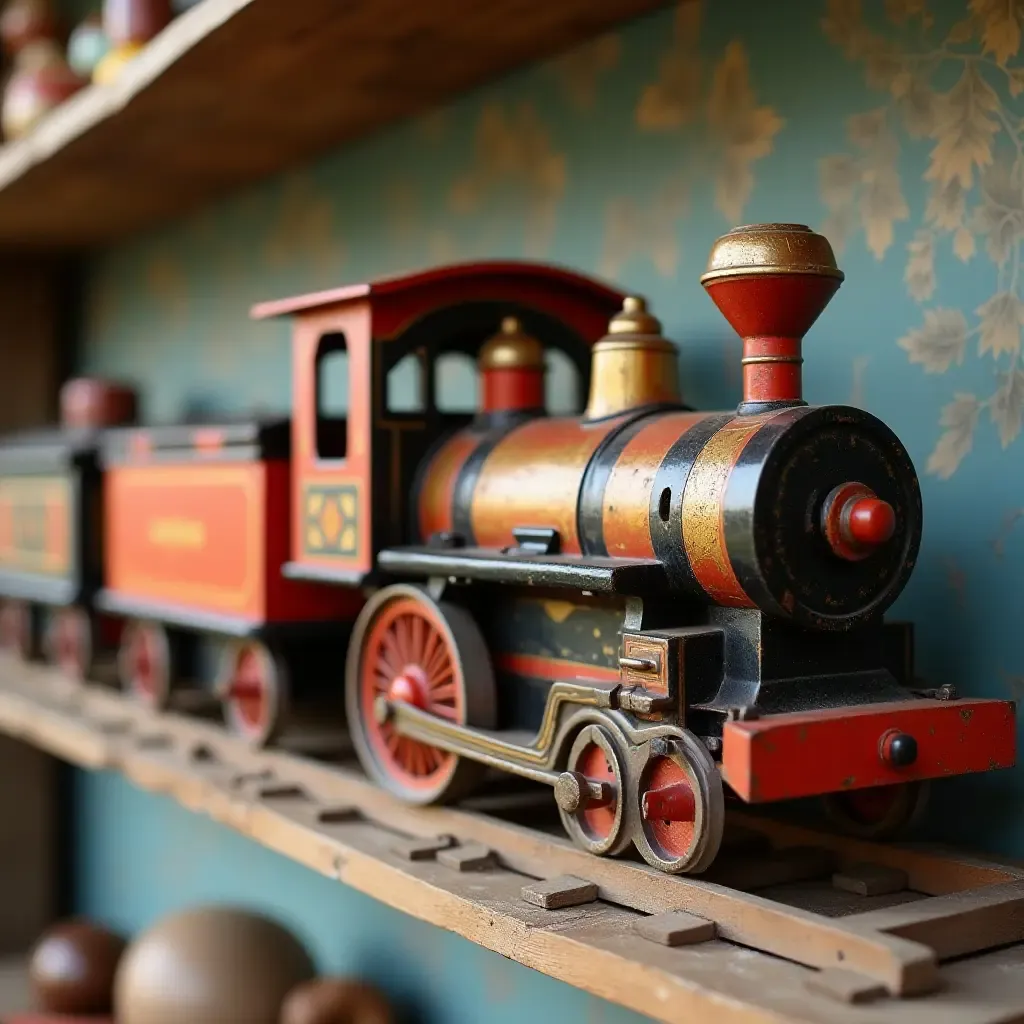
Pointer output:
x,y
878,812
600,825
681,805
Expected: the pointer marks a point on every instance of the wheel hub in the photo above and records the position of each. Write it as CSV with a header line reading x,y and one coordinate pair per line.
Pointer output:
x,y
410,686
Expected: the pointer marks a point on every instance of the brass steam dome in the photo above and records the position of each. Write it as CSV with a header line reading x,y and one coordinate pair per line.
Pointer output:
x,y
633,365
512,349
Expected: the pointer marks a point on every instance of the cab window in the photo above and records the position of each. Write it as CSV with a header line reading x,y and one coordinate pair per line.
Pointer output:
x,y
456,383
406,385
332,389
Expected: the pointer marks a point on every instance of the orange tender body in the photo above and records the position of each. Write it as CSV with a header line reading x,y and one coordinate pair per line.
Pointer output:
x,y
212,537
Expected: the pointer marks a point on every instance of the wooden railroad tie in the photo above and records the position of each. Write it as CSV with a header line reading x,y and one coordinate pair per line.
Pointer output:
x,y
845,986
870,880
676,928
559,893
418,848
337,815
467,857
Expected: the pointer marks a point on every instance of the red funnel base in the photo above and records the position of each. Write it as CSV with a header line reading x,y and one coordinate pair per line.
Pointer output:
x,y
772,312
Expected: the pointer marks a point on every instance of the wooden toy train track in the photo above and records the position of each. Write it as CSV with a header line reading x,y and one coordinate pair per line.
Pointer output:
x,y
791,925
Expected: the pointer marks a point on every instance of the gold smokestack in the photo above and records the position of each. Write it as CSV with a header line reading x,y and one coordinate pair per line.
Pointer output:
x,y
633,365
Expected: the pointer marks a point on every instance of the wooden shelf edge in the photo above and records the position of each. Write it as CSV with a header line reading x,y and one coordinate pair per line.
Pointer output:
x,y
334,822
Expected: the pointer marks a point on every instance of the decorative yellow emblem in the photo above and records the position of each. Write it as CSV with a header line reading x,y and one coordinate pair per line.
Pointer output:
x,y
331,519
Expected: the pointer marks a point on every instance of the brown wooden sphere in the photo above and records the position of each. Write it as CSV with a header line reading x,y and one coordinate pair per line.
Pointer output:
x,y
72,968
336,1001
209,965
91,402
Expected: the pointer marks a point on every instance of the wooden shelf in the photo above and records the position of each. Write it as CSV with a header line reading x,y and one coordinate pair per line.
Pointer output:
x,y
235,90
774,949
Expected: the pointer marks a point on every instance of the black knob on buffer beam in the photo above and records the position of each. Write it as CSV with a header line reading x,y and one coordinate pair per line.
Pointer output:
x,y
899,749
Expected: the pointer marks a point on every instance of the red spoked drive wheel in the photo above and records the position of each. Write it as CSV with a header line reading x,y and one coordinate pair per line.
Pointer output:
x,y
144,663
69,642
878,812
681,806
16,629
252,683
407,647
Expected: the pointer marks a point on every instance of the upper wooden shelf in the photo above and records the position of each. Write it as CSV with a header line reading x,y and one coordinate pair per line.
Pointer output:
x,y
236,90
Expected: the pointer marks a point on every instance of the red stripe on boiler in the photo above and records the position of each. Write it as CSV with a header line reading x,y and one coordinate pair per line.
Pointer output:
x,y
536,666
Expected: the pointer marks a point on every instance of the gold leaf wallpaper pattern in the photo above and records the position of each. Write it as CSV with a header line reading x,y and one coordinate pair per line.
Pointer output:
x,y
714,106
956,89
582,69
513,149
636,228
304,229
673,99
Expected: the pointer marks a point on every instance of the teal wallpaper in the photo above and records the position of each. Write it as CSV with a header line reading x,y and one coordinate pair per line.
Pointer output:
x,y
895,126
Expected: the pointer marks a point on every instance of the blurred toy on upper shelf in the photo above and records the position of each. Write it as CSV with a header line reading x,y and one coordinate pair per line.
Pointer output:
x,y
88,44
41,78
24,21
129,25
48,66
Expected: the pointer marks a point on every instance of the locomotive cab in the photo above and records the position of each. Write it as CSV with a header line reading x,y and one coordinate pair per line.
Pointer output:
x,y
373,369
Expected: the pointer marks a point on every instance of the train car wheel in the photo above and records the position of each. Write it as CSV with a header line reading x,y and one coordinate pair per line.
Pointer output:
x,y
144,664
408,647
252,683
16,629
879,812
680,806
69,642
599,826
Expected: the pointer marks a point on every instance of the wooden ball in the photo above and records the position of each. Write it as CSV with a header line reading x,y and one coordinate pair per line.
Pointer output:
x,y
207,966
336,1001
73,966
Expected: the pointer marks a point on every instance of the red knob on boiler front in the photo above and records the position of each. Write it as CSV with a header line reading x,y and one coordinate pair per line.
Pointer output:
x,y
856,521
871,521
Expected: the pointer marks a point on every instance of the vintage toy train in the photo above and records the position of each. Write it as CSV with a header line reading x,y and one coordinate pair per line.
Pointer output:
x,y
633,606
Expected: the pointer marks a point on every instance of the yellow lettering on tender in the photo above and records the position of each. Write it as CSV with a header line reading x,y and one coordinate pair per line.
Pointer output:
x,y
177,533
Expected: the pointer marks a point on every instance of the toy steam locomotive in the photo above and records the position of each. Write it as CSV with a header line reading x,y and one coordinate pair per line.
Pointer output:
x,y
634,606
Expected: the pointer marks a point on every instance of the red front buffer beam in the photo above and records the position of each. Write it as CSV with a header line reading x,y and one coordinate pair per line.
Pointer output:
x,y
787,756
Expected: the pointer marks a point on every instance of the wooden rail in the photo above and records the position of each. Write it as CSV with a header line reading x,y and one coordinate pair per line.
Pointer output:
x,y
822,939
